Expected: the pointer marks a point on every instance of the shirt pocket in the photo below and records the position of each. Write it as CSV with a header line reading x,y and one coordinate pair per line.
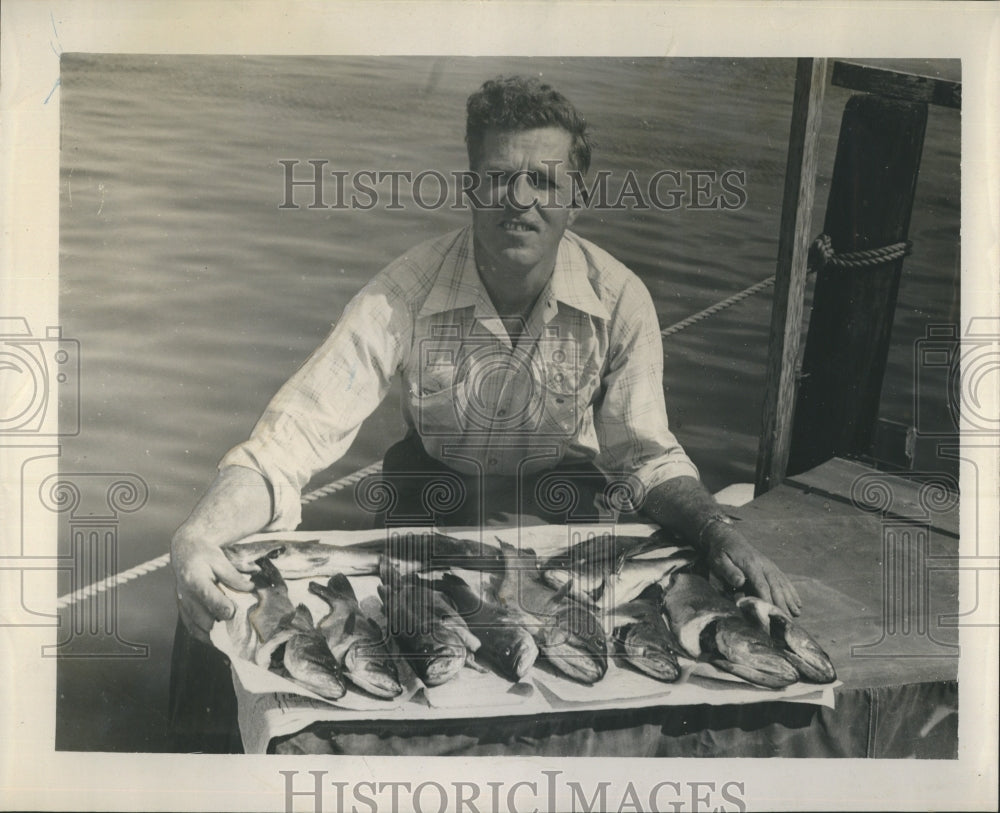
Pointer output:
x,y
434,405
568,389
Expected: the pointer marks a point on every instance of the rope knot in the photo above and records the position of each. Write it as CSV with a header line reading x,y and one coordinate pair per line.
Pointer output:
x,y
822,255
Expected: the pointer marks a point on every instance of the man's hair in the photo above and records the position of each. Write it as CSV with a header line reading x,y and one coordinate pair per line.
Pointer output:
x,y
512,103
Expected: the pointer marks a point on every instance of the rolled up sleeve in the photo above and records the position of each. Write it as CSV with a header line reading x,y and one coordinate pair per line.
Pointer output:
x,y
313,419
631,416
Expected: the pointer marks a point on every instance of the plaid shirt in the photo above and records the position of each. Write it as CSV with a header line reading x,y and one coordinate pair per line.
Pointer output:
x,y
583,381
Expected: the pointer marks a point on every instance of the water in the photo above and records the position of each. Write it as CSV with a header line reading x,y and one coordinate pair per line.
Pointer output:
x,y
194,296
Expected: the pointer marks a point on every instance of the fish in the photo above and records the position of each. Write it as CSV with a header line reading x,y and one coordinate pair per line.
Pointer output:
x,y
645,639
288,641
308,659
410,552
426,626
709,626
271,616
505,641
606,568
356,639
797,645
568,632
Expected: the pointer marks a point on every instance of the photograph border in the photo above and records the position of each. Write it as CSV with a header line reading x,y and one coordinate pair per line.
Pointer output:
x,y
32,38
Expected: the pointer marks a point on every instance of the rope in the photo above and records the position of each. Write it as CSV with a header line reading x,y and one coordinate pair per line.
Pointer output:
x,y
718,306
821,255
112,581
152,565
343,482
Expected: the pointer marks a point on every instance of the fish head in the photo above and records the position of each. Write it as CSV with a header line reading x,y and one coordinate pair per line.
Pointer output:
x,y
310,663
647,653
587,585
441,661
575,642
797,645
744,650
373,669
520,656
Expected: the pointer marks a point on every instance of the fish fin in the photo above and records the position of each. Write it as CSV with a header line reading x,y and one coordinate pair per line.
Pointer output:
x,y
758,611
470,661
621,556
351,623
320,590
301,618
388,571
340,586
652,594
450,578
562,592
511,552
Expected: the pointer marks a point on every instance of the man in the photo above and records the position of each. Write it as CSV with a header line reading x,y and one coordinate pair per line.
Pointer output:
x,y
523,349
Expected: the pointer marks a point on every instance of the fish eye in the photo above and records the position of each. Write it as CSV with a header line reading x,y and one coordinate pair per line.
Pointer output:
x,y
506,651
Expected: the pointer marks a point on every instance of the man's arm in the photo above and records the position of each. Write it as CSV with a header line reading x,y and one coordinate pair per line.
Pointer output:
x,y
237,504
682,504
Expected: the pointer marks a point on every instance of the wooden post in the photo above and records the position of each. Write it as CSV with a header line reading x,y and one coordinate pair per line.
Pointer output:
x,y
871,197
790,276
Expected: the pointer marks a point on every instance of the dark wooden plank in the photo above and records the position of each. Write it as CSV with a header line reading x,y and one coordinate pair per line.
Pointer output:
x,y
790,276
918,496
898,84
893,444
871,198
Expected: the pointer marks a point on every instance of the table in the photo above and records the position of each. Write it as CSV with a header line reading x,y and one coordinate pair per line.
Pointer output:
x,y
874,558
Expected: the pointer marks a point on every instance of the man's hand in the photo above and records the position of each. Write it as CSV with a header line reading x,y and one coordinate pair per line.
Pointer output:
x,y
683,505
236,505
199,567
740,565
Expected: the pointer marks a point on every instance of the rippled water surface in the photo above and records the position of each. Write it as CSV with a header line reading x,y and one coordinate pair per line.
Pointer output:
x,y
194,296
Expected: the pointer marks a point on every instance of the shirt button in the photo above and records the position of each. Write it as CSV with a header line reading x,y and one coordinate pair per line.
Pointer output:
x,y
492,461
501,413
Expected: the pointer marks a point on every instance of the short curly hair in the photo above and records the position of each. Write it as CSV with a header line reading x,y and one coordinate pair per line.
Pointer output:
x,y
512,103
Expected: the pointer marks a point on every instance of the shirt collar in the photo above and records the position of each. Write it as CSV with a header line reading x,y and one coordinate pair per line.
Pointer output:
x,y
458,284
570,282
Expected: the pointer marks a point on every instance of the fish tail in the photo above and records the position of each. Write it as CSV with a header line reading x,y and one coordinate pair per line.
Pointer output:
x,y
337,588
268,574
322,591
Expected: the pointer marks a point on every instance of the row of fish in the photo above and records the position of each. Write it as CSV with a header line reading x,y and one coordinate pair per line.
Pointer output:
x,y
446,601
346,644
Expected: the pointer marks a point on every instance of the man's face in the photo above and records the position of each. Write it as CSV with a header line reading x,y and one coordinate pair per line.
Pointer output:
x,y
525,174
